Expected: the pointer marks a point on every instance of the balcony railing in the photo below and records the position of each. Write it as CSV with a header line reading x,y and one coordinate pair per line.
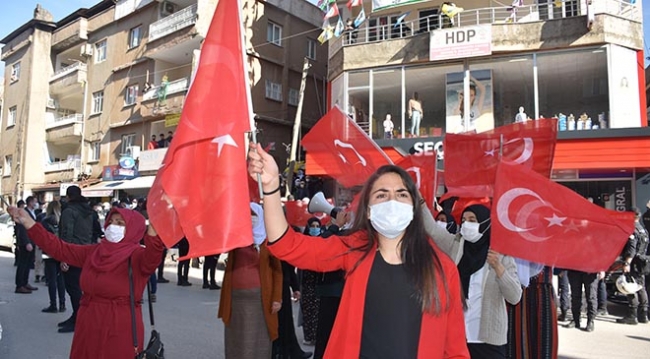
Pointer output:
x,y
493,15
173,22
64,121
66,165
68,70
176,86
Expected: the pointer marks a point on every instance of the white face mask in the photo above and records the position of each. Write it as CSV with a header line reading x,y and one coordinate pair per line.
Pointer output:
x,y
442,224
469,231
391,218
114,233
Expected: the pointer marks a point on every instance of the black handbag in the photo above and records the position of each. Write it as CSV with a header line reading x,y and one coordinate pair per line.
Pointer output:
x,y
155,348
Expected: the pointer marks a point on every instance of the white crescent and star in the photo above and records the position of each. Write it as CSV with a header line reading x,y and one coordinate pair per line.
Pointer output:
x,y
339,143
526,154
415,170
223,141
503,214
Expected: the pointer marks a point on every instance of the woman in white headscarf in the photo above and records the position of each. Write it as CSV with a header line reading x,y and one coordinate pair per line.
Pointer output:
x,y
252,277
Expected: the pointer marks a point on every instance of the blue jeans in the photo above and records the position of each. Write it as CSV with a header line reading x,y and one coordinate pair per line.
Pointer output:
x,y
416,117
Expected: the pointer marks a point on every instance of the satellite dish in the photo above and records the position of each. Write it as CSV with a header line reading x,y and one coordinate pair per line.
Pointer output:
x,y
127,162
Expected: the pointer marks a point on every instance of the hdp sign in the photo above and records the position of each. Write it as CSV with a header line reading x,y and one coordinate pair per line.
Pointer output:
x,y
459,43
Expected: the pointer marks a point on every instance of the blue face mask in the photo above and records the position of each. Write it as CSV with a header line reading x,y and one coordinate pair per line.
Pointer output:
x,y
314,232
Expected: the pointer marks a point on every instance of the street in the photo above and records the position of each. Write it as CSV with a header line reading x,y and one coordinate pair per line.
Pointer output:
x,y
187,320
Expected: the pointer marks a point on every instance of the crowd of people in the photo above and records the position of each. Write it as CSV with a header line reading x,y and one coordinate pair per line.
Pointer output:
x,y
397,282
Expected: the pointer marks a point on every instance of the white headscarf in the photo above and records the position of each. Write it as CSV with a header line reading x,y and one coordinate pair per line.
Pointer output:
x,y
259,232
527,270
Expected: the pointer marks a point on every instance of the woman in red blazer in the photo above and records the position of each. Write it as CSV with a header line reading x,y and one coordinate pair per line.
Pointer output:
x,y
402,296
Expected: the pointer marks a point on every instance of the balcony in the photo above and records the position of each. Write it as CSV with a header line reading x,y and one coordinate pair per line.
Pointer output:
x,y
174,22
531,28
70,34
66,81
71,164
64,129
171,102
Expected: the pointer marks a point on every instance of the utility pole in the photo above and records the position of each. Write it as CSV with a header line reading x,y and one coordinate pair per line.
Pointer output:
x,y
296,126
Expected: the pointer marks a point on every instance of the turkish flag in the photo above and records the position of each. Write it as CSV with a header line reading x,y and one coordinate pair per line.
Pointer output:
x,y
343,149
201,190
423,171
536,219
459,204
298,213
471,159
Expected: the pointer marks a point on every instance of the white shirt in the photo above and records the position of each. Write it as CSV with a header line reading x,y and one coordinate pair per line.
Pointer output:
x,y
475,305
388,125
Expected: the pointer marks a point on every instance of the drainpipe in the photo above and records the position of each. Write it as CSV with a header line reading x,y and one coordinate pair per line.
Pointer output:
x,y
80,170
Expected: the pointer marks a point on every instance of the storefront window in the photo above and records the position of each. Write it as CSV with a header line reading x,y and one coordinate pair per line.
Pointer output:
x,y
338,92
387,100
359,98
574,84
429,82
508,91
615,195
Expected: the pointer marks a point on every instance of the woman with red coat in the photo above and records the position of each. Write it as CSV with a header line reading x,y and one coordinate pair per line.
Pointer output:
x,y
402,296
103,328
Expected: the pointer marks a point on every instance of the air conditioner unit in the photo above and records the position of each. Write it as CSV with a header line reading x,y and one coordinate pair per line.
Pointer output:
x,y
167,8
133,152
86,50
52,104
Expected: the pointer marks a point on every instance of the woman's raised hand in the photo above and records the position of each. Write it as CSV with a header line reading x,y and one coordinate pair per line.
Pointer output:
x,y
260,162
21,216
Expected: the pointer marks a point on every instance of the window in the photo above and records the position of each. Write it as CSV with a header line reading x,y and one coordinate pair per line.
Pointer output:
x,y
100,51
98,102
15,72
294,96
134,37
127,141
7,166
11,119
273,90
274,34
311,49
130,95
95,150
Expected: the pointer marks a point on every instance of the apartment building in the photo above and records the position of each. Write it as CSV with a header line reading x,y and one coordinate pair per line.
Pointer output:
x,y
581,61
85,94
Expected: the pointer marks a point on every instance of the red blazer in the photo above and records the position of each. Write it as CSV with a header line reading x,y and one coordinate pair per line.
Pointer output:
x,y
441,336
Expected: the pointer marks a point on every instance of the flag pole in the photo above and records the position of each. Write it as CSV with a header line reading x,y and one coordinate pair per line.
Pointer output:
x,y
435,183
500,147
296,126
249,101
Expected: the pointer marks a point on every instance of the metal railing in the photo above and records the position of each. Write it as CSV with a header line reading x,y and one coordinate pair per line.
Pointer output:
x,y
68,70
174,22
175,86
64,165
64,121
493,15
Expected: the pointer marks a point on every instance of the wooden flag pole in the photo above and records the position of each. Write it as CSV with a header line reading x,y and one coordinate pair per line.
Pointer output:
x,y
296,127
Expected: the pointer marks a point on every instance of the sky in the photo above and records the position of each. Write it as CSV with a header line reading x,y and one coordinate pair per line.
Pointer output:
x,y
18,12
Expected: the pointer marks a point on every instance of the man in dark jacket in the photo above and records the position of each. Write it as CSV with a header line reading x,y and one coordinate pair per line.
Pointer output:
x,y
76,227
25,252
636,246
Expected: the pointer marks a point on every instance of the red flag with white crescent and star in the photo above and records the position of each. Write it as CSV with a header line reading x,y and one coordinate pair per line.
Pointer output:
x,y
471,159
536,219
201,190
343,149
423,171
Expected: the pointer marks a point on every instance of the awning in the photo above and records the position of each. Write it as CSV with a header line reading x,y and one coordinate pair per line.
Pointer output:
x,y
105,185
136,183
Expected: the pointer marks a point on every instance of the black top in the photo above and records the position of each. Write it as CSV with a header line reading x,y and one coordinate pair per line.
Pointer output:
x,y
392,316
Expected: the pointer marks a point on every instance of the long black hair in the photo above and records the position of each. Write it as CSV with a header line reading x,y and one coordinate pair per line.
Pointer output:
x,y
419,259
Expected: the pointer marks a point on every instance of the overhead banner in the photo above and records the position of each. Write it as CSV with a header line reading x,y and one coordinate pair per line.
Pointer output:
x,y
378,5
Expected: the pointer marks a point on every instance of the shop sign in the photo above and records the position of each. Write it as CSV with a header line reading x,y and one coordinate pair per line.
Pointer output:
x,y
151,160
64,187
116,173
458,43
621,200
97,193
172,119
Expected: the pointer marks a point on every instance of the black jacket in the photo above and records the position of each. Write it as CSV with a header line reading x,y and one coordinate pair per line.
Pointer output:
x,y
77,223
637,244
22,239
